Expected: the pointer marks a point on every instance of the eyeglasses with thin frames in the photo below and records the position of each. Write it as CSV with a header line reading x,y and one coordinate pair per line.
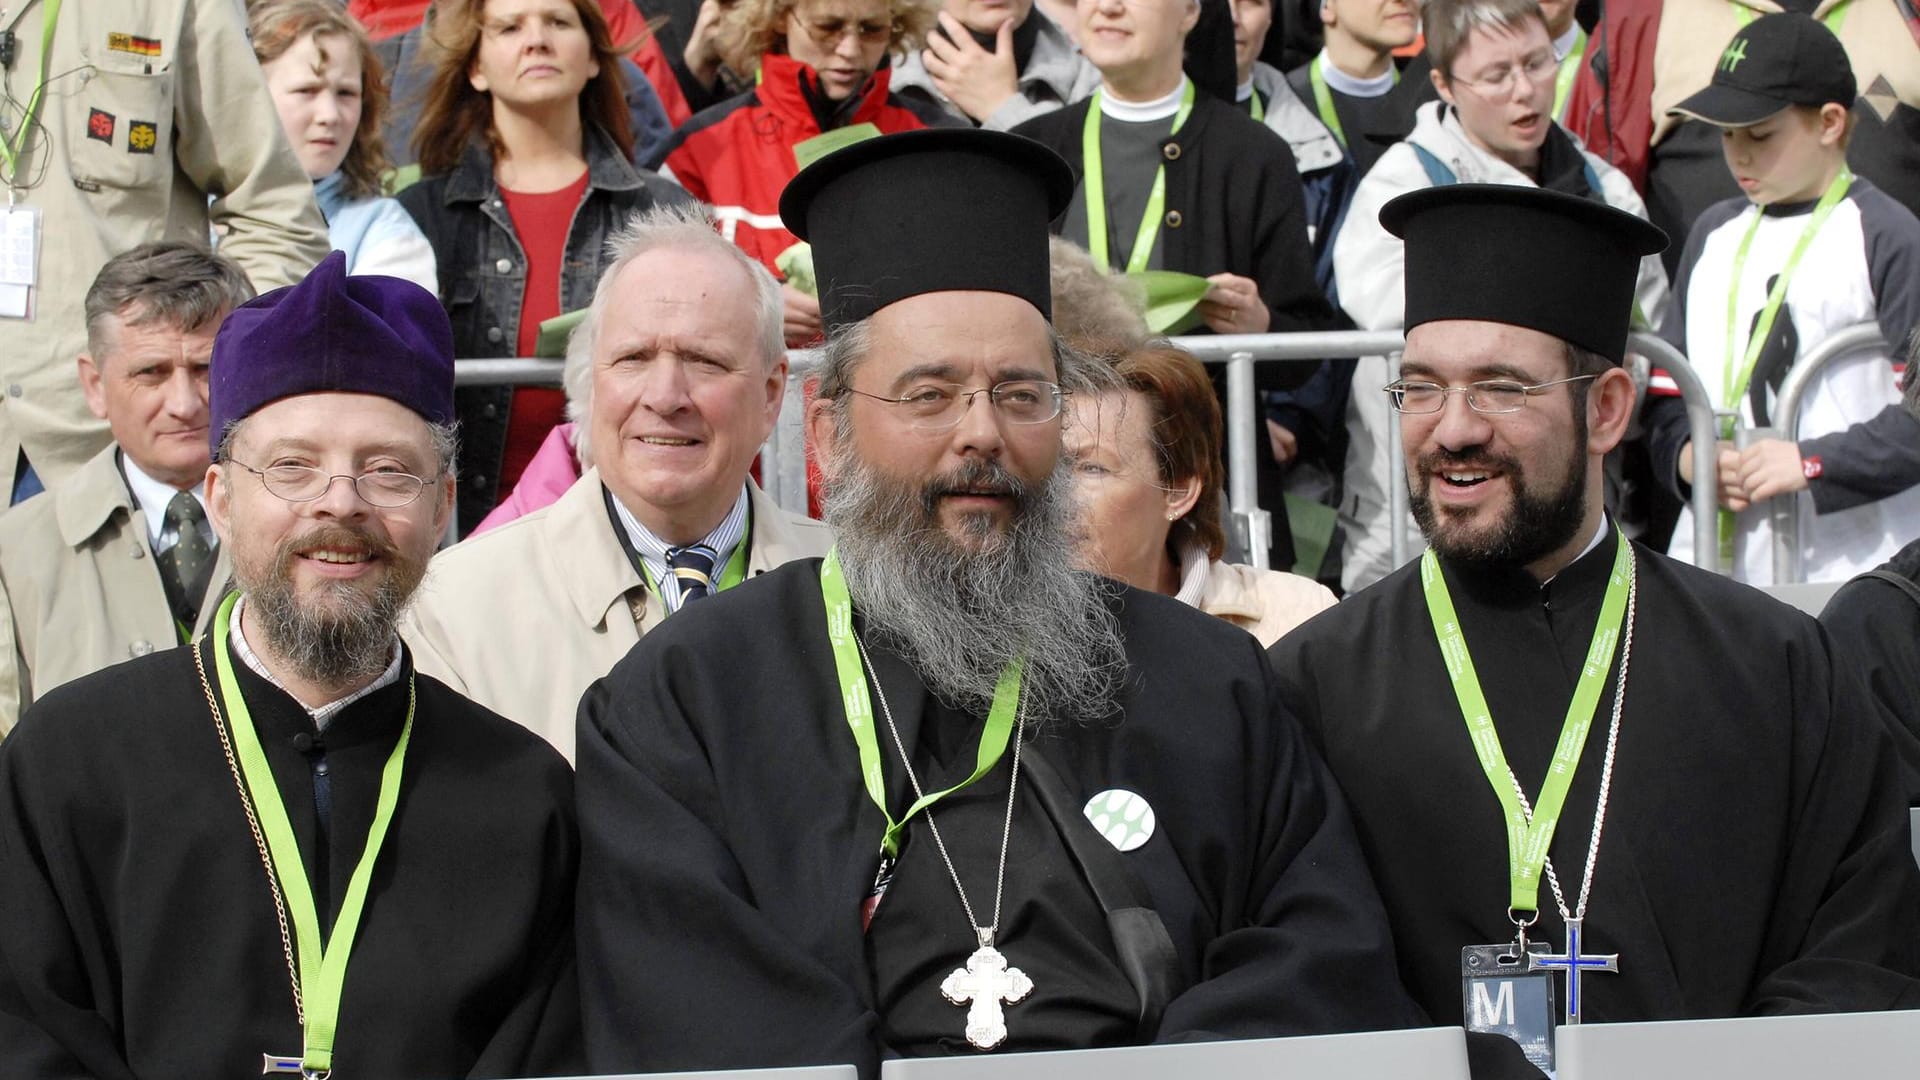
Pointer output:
x,y
1499,83
935,407
303,483
1490,396
827,32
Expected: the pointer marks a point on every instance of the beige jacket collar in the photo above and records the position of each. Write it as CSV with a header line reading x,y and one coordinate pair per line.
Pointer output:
x,y
594,567
85,503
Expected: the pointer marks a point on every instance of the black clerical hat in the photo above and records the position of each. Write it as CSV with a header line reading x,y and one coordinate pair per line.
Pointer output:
x,y
928,211
1505,253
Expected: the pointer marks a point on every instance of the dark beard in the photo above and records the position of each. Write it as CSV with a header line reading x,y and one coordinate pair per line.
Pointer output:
x,y
347,633
958,613
1538,523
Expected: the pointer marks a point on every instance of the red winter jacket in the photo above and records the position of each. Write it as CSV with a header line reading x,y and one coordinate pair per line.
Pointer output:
x,y
738,155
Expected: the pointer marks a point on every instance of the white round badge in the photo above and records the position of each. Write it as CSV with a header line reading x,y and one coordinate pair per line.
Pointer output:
x,y
1122,817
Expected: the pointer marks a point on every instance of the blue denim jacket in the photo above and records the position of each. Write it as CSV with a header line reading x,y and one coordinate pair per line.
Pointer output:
x,y
483,270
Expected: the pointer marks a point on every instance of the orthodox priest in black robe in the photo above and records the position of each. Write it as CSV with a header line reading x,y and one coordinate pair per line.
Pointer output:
x,y
1753,853
1156,853
148,927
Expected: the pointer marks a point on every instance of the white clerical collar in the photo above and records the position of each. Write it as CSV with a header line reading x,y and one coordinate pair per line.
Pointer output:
x,y
1352,85
1194,570
724,538
321,714
1244,92
153,498
1140,112
1564,44
1599,534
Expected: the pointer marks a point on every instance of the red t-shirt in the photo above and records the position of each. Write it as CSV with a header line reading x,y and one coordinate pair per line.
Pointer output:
x,y
540,221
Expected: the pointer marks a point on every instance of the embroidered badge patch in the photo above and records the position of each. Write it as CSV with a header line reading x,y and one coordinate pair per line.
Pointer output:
x,y
100,124
1122,817
142,136
133,43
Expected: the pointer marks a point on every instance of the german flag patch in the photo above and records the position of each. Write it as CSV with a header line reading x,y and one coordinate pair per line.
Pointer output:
x,y
133,43
142,136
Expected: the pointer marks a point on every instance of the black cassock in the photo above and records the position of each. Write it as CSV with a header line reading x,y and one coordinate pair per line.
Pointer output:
x,y
1875,625
1754,857
137,932
728,846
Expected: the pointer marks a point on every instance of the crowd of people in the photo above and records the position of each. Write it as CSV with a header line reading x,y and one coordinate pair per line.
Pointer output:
x,y
258,725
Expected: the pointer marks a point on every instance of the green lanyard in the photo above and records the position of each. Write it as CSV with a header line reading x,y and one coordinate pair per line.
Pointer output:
x,y
1569,68
1256,108
859,707
1097,189
1323,100
323,969
733,574
1529,839
1735,376
12,148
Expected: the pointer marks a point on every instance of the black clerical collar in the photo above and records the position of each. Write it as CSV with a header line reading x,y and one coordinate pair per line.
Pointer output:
x,y
278,714
1511,586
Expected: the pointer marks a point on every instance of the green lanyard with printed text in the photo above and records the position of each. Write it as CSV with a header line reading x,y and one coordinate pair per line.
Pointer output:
x,y
1529,838
1569,69
1737,371
1096,189
858,702
323,968
11,147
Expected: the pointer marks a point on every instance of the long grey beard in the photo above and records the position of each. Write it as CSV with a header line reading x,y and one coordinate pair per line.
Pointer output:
x,y
333,643
959,616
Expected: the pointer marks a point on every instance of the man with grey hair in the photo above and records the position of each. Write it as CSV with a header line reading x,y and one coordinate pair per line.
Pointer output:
x,y
1120,805
674,380
118,559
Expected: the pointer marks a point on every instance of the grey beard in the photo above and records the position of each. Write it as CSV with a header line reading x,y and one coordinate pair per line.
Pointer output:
x,y
334,643
959,616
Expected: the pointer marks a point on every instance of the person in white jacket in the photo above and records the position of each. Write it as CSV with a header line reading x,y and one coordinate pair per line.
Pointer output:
x,y
1493,66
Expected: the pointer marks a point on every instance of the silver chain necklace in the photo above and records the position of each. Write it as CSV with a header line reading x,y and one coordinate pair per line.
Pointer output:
x,y
1573,961
986,982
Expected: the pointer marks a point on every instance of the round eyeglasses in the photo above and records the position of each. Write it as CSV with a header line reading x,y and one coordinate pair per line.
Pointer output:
x,y
934,407
304,483
1498,84
1487,396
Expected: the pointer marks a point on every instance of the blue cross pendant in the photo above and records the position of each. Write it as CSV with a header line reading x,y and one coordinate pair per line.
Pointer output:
x,y
1573,962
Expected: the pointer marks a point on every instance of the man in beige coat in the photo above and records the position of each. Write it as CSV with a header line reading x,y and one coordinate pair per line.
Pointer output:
x,y
118,560
155,124
675,379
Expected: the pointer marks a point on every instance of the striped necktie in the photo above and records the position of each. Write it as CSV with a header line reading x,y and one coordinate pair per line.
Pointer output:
x,y
693,567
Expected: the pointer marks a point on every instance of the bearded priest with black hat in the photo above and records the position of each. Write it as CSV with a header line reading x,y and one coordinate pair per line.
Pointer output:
x,y
958,797
1731,837
277,848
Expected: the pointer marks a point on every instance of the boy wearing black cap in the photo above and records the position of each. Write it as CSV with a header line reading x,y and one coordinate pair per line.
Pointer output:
x,y
1545,669
1810,250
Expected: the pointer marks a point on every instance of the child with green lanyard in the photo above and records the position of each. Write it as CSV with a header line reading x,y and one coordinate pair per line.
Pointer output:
x,y
1810,250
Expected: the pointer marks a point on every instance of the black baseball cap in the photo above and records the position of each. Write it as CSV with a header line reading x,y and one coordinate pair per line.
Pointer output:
x,y
1773,63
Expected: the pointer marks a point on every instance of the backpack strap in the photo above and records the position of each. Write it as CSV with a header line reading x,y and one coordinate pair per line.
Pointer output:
x,y
1900,581
1437,170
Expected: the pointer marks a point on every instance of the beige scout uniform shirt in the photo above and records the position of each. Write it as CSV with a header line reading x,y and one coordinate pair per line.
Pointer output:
x,y
151,107
522,619
78,578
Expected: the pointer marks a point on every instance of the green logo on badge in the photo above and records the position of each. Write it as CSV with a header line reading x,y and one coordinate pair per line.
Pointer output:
x,y
1735,53
1121,816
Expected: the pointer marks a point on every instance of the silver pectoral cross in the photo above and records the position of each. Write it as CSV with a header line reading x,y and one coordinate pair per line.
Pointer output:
x,y
982,986
1573,962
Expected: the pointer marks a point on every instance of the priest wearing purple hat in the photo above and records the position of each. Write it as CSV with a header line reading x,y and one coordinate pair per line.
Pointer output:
x,y
278,847
1124,840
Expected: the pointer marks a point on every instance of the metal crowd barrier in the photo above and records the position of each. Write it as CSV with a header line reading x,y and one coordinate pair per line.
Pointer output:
x,y
783,469
1844,344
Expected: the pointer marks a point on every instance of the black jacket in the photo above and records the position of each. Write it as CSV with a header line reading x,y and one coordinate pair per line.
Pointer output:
x,y
483,272
1234,204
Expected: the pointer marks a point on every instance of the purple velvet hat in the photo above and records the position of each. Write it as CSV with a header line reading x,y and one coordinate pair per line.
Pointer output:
x,y
333,333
